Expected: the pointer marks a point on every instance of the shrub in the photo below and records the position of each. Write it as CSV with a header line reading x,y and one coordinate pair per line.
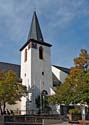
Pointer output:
x,y
75,111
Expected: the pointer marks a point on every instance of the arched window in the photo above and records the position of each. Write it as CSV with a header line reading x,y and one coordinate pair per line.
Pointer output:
x,y
25,55
40,52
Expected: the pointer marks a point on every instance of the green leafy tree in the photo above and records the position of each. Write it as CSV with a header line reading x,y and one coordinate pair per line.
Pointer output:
x,y
76,86
11,90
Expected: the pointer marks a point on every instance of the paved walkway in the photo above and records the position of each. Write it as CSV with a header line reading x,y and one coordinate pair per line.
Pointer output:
x,y
65,123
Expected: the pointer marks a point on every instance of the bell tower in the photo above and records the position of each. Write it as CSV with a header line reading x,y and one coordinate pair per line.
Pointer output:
x,y
36,71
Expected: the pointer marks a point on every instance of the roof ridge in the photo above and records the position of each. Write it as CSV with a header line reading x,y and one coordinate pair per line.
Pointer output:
x,y
60,66
10,63
66,70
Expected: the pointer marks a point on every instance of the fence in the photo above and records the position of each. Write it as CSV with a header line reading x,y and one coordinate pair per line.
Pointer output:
x,y
26,119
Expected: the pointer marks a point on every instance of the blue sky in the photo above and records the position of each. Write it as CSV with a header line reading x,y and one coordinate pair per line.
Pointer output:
x,y
64,24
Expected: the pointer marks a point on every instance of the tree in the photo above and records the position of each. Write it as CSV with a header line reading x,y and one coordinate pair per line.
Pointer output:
x,y
76,86
10,89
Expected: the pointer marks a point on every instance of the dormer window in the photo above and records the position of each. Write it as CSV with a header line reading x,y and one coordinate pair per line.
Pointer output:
x,y
25,55
40,52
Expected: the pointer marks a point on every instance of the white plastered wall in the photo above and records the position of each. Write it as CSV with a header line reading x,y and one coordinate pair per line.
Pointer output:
x,y
31,74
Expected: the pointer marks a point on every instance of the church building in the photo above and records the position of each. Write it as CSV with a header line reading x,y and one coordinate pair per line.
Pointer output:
x,y
36,71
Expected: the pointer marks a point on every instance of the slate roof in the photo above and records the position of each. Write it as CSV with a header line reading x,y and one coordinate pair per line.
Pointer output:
x,y
35,31
8,66
66,70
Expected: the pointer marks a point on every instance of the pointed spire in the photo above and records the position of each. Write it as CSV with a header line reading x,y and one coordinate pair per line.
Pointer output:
x,y
35,31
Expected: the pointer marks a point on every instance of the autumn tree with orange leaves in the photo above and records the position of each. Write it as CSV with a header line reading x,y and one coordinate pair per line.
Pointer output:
x,y
76,86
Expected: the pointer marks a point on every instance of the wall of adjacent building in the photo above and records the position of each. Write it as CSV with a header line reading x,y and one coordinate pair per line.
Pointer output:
x,y
60,75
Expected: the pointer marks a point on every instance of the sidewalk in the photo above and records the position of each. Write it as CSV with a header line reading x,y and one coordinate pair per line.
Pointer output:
x,y
65,123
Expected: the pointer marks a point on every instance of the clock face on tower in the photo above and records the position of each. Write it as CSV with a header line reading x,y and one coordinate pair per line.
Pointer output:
x,y
32,45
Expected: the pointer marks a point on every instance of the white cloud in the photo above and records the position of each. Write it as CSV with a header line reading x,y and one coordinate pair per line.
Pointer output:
x,y
54,16
17,14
